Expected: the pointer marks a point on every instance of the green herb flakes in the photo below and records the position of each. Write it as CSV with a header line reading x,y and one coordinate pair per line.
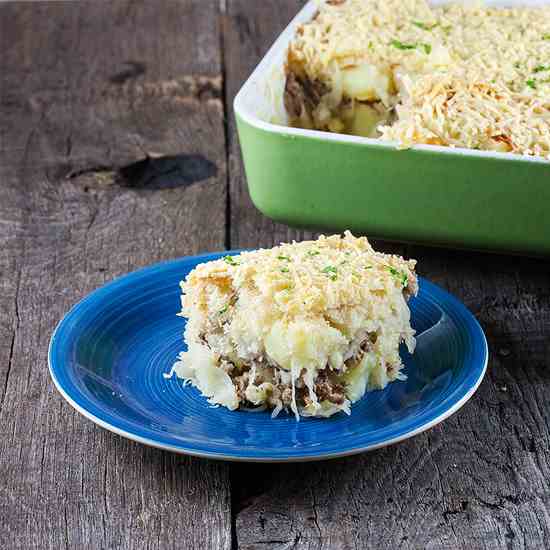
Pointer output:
x,y
223,310
424,26
284,258
230,260
541,68
532,84
313,253
284,270
402,46
399,275
331,271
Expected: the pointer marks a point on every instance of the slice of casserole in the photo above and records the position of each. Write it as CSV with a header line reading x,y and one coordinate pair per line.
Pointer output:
x,y
459,74
307,327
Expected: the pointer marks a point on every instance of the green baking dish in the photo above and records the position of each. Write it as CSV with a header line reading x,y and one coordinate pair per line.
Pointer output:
x,y
427,194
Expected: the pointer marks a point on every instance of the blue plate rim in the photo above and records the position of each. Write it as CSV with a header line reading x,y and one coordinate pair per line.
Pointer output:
x,y
474,327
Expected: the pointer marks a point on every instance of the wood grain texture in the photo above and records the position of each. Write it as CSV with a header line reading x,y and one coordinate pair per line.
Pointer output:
x,y
87,89
91,93
481,479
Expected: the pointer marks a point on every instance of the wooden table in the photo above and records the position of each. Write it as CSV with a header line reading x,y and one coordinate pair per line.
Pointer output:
x,y
118,149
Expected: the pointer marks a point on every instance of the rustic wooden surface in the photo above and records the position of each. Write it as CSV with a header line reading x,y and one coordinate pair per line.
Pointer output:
x,y
118,149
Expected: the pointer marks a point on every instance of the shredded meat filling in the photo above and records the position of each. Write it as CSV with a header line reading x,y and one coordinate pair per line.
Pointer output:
x,y
302,95
327,385
328,388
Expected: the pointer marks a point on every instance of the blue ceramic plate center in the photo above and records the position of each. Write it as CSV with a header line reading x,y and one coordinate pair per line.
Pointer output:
x,y
108,356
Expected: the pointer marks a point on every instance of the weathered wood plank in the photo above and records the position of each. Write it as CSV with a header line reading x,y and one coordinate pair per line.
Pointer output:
x,y
480,480
87,88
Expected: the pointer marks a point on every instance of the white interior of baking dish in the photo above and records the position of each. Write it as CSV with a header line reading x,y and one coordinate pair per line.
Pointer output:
x,y
260,100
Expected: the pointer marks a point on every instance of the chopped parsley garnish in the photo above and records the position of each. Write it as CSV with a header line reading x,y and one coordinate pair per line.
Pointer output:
x,y
399,275
285,258
402,46
532,84
331,271
230,260
223,310
368,267
541,68
284,269
546,36
447,28
517,65
424,26
313,253
371,45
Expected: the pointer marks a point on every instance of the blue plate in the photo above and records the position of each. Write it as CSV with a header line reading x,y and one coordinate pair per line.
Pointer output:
x,y
108,355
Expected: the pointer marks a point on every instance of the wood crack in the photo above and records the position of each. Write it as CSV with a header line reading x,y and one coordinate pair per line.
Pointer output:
x,y
12,343
10,361
297,540
276,541
69,145
226,110
92,170
314,510
66,526
92,220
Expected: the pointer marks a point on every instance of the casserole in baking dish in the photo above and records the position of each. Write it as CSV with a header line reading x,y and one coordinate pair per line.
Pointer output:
x,y
435,194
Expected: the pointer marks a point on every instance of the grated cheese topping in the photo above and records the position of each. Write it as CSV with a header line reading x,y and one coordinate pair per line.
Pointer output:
x,y
457,75
308,277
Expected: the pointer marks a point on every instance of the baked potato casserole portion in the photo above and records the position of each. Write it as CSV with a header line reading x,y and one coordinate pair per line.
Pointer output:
x,y
306,327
